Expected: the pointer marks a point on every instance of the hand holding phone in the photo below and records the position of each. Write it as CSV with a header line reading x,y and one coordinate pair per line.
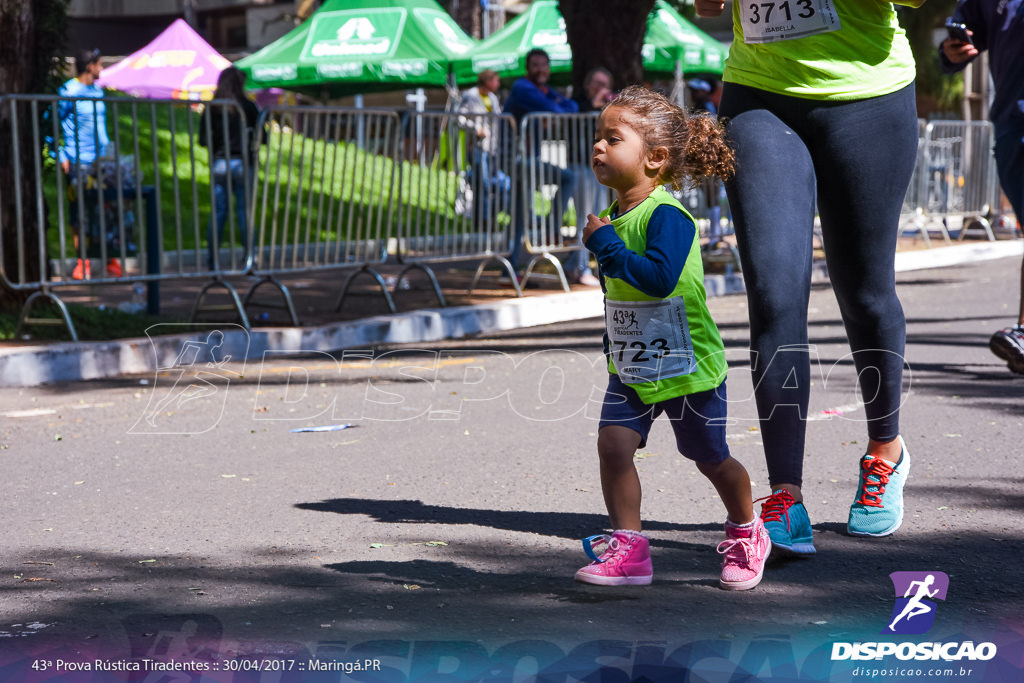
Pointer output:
x,y
958,32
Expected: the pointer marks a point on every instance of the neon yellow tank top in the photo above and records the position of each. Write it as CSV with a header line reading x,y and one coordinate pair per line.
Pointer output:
x,y
867,55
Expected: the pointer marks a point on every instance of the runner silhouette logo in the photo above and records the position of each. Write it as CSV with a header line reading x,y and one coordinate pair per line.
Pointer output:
x,y
916,593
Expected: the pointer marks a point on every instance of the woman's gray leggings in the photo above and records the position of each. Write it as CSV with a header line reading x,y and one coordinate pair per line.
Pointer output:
x,y
852,161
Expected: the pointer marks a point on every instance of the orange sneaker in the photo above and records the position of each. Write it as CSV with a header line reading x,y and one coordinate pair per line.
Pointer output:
x,y
82,270
114,268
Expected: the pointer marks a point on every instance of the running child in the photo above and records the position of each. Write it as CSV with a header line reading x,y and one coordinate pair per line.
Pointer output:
x,y
665,352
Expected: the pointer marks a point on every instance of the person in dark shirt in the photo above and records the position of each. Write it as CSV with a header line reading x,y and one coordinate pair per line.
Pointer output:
x,y
229,138
532,94
998,26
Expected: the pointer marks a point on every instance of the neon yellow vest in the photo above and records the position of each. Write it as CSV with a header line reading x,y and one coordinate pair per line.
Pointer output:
x,y
707,342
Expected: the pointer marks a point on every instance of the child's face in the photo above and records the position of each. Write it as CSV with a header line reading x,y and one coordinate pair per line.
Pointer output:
x,y
619,152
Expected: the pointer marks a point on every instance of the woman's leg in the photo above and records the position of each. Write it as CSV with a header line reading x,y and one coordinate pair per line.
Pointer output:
x,y
861,188
772,198
860,196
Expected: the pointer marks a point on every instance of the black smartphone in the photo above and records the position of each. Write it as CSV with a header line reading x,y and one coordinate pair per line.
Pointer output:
x,y
958,31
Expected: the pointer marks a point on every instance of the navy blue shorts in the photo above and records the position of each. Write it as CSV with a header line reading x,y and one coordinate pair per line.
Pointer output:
x,y
698,420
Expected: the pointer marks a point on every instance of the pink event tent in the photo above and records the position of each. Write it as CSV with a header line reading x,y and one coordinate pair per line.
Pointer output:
x,y
178,64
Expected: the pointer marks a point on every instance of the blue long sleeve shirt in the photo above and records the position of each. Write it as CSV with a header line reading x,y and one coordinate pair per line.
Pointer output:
x,y
83,123
526,97
670,234
998,27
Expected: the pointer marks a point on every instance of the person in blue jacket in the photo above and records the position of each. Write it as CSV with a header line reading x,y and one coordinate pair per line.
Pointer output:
x,y
998,26
84,139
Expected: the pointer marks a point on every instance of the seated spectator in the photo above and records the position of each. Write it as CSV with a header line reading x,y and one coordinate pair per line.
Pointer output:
x,y
532,94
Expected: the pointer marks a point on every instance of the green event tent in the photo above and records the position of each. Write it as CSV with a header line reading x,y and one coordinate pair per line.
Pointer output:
x,y
540,26
670,39
360,46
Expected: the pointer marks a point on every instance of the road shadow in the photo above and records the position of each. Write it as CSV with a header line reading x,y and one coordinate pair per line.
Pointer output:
x,y
570,525
494,591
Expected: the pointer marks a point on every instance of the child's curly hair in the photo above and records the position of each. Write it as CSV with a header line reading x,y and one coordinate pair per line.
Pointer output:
x,y
696,143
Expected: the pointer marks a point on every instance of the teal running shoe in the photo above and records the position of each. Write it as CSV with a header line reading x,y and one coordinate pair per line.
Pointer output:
x,y
787,523
877,509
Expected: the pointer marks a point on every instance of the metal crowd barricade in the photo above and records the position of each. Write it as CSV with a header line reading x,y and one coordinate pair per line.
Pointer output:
x,y
554,153
101,220
976,190
912,212
955,181
325,196
457,179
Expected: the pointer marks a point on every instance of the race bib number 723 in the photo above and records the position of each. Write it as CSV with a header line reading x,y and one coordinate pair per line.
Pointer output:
x,y
649,340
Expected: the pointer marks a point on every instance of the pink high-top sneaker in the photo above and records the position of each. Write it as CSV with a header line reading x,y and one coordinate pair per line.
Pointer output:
x,y
626,562
745,550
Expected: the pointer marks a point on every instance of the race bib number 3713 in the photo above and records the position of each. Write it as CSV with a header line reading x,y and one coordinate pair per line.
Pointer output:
x,y
765,22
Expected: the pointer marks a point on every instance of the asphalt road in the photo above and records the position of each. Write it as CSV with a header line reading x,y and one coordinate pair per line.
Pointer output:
x,y
179,515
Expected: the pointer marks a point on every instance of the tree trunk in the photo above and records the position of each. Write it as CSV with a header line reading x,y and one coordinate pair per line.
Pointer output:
x,y
609,34
33,34
468,16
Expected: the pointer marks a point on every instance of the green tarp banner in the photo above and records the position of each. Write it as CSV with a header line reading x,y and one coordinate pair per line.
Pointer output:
x,y
360,46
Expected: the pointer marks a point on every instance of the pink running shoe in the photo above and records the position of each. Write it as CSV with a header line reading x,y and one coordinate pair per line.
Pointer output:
x,y
626,562
745,551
